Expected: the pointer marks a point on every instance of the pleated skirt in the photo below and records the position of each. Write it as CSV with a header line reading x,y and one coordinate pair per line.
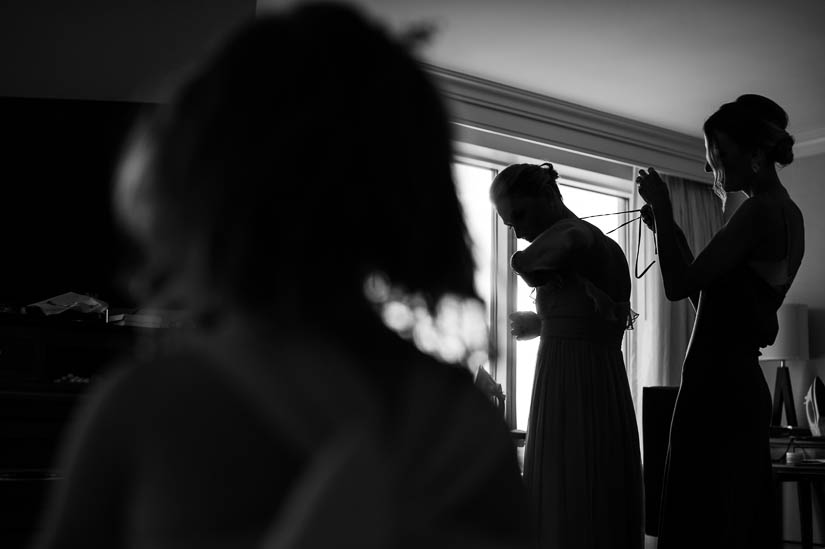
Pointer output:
x,y
718,490
582,463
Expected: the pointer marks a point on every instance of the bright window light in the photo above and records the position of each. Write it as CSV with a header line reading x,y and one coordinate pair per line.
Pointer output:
x,y
473,185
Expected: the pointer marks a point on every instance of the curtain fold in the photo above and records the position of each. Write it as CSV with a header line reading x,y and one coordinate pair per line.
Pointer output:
x,y
656,347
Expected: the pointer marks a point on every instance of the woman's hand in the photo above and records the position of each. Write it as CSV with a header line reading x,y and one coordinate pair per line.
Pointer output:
x,y
647,217
516,263
525,325
652,189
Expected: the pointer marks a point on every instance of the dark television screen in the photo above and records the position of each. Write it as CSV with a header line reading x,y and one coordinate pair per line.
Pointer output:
x,y
57,232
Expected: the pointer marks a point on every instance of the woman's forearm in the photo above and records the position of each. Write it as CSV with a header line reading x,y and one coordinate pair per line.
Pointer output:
x,y
687,256
552,248
672,248
543,254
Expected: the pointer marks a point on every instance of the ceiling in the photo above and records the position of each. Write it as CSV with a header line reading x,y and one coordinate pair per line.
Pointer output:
x,y
662,62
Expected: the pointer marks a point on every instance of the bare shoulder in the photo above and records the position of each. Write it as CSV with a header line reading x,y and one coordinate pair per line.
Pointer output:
x,y
756,207
769,212
796,219
753,220
576,224
581,231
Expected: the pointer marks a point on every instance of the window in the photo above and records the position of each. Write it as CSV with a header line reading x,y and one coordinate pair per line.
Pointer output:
x,y
473,183
503,292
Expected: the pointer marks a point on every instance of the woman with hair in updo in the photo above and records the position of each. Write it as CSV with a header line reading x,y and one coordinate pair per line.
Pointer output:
x,y
736,283
294,189
582,465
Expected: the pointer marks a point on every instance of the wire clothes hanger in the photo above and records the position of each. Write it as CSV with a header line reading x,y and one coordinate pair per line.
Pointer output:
x,y
639,241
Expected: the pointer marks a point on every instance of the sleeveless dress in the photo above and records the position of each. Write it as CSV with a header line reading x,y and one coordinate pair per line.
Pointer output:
x,y
582,464
717,489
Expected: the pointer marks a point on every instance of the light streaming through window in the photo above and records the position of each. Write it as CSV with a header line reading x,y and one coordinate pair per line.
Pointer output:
x,y
473,185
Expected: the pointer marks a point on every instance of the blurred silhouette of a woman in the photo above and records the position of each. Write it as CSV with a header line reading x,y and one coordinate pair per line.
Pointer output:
x,y
295,187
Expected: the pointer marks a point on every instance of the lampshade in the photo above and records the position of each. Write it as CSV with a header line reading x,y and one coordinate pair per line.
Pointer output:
x,y
792,340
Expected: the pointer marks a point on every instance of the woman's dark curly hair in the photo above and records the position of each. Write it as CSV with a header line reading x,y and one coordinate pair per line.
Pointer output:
x,y
309,152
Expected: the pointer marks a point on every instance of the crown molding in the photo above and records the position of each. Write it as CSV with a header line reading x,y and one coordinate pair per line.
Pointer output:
x,y
810,143
528,116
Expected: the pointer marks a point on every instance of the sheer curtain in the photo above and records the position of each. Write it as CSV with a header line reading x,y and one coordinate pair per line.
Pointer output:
x,y
657,345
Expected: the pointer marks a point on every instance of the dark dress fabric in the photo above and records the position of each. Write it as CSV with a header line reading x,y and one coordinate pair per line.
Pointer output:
x,y
582,464
717,488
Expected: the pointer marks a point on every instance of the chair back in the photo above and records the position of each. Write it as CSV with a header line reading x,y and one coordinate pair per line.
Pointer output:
x,y
657,411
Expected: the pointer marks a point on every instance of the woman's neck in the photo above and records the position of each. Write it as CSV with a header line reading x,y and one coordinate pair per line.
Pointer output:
x,y
561,213
765,184
565,213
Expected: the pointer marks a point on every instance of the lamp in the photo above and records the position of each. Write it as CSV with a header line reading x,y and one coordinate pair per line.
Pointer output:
x,y
791,344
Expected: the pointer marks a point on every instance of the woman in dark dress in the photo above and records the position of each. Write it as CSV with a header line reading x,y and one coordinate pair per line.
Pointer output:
x,y
736,283
581,463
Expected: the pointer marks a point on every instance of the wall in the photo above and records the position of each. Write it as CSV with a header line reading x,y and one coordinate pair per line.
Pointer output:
x,y
122,50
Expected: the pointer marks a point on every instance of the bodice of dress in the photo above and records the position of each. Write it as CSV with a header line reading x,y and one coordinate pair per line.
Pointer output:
x,y
738,310
576,301
737,313
573,307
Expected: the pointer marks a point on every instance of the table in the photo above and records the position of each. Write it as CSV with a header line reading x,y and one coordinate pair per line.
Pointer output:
x,y
804,475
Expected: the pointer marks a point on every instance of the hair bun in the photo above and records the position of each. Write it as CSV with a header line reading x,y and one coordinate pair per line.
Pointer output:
x,y
780,148
764,109
782,151
552,173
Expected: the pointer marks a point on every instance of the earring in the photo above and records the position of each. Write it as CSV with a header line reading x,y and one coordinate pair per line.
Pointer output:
x,y
755,167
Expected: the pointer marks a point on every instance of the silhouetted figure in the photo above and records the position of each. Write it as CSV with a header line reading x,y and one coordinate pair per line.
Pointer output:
x,y
309,158
717,487
582,465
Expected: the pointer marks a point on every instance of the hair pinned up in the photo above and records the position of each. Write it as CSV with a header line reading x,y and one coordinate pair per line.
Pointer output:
x,y
554,175
764,109
525,179
753,122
